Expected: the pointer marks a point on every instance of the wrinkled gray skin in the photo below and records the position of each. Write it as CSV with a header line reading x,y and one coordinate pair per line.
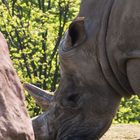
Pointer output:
x,y
99,57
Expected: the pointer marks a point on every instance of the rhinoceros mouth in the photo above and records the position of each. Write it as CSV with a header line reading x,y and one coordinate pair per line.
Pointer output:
x,y
82,136
78,133
81,130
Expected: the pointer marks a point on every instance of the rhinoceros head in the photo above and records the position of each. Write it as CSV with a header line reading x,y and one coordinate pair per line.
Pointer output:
x,y
84,105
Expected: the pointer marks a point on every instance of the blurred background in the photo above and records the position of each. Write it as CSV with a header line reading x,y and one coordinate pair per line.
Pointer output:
x,y
33,29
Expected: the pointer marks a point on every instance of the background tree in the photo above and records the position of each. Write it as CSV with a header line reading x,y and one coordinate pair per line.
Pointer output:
x,y
33,29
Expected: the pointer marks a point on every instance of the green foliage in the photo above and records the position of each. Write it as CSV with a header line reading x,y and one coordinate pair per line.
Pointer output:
x,y
33,29
129,111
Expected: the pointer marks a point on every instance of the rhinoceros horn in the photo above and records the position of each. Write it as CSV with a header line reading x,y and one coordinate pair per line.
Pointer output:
x,y
42,97
40,123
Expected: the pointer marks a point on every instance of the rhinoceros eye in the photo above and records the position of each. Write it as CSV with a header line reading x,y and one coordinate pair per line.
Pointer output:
x,y
71,100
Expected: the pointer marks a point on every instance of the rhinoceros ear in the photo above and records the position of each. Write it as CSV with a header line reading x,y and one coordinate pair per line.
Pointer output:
x,y
42,97
77,31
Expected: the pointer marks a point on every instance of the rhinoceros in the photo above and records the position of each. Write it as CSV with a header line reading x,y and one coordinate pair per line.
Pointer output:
x,y
99,63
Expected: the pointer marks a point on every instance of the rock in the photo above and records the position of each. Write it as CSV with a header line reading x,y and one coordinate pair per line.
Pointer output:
x,y
15,123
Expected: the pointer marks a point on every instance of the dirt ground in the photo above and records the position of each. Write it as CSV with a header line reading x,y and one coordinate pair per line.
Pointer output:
x,y
123,132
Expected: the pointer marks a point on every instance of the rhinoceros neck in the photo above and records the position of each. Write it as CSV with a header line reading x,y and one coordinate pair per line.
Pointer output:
x,y
112,77
97,13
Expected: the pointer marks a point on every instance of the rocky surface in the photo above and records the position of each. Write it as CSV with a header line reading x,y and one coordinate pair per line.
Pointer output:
x,y
14,121
123,132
